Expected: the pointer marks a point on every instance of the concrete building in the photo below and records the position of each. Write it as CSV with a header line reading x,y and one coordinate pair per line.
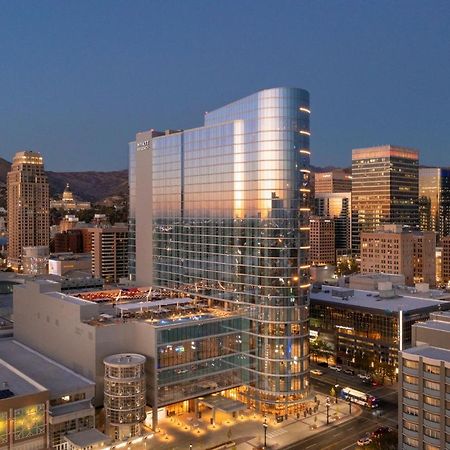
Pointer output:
x,y
337,206
367,329
65,263
35,260
193,348
68,202
445,261
109,250
396,250
385,189
424,386
322,241
28,206
38,391
371,281
336,180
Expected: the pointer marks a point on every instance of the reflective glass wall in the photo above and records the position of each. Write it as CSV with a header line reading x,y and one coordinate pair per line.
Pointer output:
x,y
231,222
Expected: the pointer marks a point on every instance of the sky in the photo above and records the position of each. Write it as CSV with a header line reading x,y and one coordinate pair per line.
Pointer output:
x,y
79,78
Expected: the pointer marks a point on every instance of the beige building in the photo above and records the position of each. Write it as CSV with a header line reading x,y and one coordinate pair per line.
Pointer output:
x,y
322,241
28,206
68,202
396,250
336,180
424,386
109,252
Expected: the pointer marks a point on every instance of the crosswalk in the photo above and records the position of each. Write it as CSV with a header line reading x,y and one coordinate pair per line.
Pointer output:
x,y
276,433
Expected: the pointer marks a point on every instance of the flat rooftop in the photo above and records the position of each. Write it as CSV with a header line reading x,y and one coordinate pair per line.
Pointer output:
x,y
54,377
434,325
371,300
15,383
429,352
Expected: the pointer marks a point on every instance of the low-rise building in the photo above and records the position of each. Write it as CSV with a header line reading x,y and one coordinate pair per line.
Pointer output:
x,y
64,263
366,329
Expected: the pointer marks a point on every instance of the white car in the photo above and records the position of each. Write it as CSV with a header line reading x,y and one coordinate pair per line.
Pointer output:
x,y
364,441
316,372
363,377
336,368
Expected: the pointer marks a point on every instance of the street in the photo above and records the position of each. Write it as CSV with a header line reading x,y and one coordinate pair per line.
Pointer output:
x,y
345,436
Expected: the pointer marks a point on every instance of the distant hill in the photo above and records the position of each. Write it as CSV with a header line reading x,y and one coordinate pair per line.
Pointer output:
x,y
91,186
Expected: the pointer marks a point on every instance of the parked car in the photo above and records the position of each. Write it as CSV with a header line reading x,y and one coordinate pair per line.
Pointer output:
x,y
363,377
336,368
349,371
380,431
316,372
364,441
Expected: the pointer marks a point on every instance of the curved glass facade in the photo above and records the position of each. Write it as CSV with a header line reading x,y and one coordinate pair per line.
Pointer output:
x,y
231,223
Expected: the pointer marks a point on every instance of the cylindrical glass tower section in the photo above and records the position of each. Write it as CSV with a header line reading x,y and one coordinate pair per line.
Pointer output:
x,y
124,392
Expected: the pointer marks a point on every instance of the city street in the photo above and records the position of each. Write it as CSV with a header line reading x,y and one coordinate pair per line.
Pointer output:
x,y
345,436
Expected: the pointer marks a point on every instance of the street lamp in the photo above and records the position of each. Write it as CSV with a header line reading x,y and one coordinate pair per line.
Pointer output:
x,y
327,404
336,386
190,446
265,426
350,405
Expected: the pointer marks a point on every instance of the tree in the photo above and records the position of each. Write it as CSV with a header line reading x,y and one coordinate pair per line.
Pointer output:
x,y
347,266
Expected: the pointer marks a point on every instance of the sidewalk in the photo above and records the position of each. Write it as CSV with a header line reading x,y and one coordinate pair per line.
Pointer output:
x,y
247,431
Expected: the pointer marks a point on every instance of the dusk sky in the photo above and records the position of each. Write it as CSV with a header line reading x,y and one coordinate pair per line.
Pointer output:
x,y
79,78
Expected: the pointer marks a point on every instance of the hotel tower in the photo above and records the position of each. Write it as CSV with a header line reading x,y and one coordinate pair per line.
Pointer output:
x,y
28,206
221,212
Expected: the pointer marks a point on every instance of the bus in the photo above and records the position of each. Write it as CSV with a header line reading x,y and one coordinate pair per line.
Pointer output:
x,y
359,397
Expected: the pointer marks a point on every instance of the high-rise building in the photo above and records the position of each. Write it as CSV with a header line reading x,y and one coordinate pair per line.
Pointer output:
x,y
109,252
322,236
445,261
336,180
424,374
222,211
28,206
338,207
385,188
396,250
434,200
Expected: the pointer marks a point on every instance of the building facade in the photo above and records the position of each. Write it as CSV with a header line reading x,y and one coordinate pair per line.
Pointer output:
x,y
434,200
28,206
228,218
68,202
445,260
397,250
332,182
385,189
424,386
322,241
109,252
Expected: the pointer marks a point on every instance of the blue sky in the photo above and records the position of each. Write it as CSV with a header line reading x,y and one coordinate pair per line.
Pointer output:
x,y
79,78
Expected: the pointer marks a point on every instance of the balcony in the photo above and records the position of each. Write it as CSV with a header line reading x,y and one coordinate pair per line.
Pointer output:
x,y
430,424
431,376
411,387
432,441
410,402
410,417
408,447
410,433
431,408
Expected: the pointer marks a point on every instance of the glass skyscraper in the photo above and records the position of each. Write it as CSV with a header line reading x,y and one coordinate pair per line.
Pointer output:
x,y
222,212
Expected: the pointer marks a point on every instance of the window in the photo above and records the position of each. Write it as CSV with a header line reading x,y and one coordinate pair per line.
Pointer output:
x,y
410,364
431,369
431,400
410,426
410,395
411,380
432,417
29,421
431,385
435,434
411,442
410,410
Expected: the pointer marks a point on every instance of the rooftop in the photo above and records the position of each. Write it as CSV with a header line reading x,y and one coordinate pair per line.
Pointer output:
x,y
434,325
16,383
429,352
371,300
86,438
43,371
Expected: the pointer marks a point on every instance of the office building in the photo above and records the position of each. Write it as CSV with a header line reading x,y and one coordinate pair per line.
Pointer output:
x,y
223,211
63,264
366,329
68,202
67,241
337,206
424,386
434,200
385,189
397,250
445,261
322,241
28,206
332,182
109,252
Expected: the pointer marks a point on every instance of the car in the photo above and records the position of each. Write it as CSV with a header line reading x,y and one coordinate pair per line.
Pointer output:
x,y
380,431
336,368
363,377
316,372
323,364
349,371
367,381
364,441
